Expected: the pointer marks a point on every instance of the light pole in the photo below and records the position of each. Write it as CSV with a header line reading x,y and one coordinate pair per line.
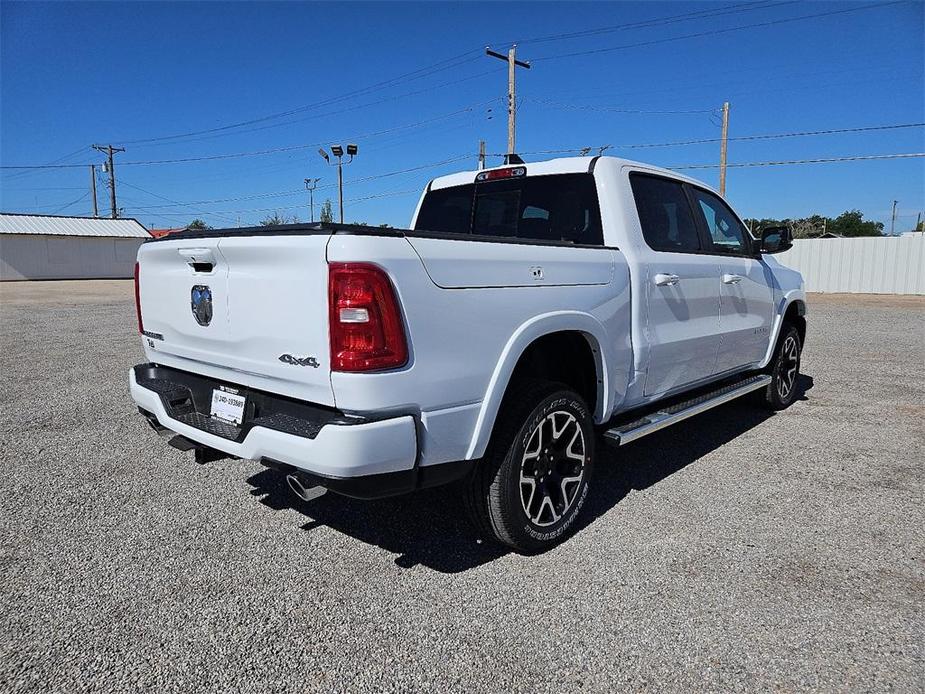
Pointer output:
x,y
310,185
338,152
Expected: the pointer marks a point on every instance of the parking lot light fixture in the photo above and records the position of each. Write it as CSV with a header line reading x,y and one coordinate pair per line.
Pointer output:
x,y
338,151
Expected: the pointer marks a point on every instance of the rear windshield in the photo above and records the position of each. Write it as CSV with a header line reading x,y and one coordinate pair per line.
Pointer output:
x,y
561,207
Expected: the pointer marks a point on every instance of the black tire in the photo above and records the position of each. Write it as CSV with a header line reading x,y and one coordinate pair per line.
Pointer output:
x,y
784,370
529,451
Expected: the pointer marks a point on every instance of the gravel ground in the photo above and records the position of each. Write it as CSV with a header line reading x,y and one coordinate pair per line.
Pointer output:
x,y
736,551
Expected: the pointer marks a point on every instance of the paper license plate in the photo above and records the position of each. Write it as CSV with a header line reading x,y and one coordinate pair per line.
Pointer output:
x,y
228,406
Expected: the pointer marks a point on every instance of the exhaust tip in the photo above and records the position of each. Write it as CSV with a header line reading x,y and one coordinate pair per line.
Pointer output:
x,y
306,492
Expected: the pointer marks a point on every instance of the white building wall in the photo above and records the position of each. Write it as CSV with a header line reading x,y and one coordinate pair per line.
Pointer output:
x,y
46,257
866,265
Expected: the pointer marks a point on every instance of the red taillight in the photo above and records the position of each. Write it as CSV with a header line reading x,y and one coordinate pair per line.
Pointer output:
x,y
141,327
365,322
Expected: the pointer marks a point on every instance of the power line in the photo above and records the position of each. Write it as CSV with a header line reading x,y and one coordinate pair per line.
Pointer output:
x,y
22,174
776,136
71,204
331,113
712,140
656,22
715,32
276,150
156,195
458,60
676,168
377,133
644,145
440,66
466,57
799,161
615,109
286,207
300,191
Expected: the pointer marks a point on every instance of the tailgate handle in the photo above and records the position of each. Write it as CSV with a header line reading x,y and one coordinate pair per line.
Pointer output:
x,y
200,259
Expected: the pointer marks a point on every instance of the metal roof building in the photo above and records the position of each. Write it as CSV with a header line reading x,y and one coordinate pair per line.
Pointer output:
x,y
47,247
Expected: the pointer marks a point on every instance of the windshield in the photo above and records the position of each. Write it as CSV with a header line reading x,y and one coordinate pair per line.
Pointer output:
x,y
560,207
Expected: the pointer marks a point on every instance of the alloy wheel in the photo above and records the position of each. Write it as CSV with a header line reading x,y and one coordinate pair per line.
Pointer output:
x,y
789,368
552,468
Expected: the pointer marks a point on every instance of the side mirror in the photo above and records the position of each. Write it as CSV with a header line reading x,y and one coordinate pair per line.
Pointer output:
x,y
776,239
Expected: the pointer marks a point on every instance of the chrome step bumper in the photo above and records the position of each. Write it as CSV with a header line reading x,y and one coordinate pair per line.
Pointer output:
x,y
630,431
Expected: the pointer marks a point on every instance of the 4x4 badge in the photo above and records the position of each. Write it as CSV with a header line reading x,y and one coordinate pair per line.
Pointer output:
x,y
299,361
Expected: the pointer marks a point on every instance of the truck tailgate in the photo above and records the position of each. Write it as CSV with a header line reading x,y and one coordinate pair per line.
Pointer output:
x,y
269,322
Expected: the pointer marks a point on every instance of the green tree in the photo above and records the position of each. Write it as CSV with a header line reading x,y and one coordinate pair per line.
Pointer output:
x,y
852,223
849,223
276,219
198,225
327,213
808,227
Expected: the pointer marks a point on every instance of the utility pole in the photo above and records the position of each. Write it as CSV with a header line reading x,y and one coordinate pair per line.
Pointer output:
x,y
722,149
109,150
310,185
96,212
481,154
512,62
893,218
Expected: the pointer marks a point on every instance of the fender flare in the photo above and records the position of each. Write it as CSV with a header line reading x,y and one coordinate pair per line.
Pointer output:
x,y
523,337
790,297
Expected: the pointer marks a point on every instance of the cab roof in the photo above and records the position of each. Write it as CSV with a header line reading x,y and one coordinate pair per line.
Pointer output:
x,y
561,165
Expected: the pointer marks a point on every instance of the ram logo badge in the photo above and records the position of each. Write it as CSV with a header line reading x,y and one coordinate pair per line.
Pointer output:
x,y
299,361
201,303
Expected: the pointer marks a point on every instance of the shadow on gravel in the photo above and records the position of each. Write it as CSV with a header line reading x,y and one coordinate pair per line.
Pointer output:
x,y
429,527
646,462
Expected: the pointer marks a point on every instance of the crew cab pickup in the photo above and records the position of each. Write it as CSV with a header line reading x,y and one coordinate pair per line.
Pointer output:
x,y
531,311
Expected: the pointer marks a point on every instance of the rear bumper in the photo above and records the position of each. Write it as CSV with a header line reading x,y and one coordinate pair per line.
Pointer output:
x,y
317,441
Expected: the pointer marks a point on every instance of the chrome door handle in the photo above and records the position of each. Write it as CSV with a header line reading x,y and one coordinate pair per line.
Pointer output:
x,y
663,280
732,279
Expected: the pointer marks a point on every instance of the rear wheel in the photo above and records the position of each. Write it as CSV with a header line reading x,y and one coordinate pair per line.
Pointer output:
x,y
528,490
785,370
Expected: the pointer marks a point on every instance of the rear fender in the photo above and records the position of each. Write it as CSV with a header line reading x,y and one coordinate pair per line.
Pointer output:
x,y
560,321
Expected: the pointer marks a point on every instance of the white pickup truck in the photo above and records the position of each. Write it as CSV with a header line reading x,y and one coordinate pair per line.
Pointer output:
x,y
529,309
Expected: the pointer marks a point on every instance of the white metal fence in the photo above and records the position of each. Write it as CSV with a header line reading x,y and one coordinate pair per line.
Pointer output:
x,y
874,265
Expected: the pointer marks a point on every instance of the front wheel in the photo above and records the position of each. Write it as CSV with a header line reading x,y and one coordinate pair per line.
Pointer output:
x,y
528,490
785,370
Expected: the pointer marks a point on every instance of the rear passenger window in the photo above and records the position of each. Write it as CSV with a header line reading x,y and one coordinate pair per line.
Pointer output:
x,y
561,208
665,214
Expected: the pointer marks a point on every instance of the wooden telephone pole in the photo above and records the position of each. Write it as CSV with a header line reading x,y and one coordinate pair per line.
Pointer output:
x,y
109,150
722,149
96,212
512,62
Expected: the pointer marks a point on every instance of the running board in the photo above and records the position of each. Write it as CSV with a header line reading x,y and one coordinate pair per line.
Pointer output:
x,y
624,433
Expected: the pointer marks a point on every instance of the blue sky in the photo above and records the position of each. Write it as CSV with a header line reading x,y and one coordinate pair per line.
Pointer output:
x,y
135,73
